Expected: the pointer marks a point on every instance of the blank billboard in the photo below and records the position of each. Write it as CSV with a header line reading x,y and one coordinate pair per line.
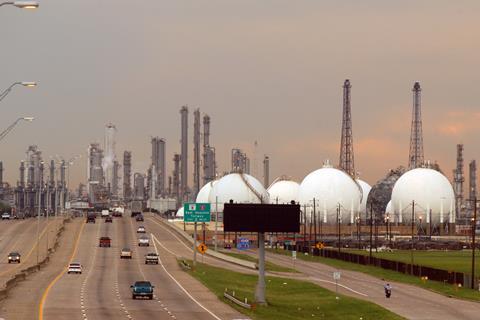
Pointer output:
x,y
245,217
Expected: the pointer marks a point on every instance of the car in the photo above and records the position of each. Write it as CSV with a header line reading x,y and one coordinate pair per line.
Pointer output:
x,y
91,216
141,229
143,241
6,216
105,242
151,257
14,257
105,213
74,267
109,219
142,289
139,217
126,253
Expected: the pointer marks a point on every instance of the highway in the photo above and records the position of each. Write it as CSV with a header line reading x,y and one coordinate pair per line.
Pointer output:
x,y
103,291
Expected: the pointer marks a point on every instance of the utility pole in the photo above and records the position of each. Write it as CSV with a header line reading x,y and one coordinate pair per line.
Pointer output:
x,y
413,227
474,229
338,222
314,222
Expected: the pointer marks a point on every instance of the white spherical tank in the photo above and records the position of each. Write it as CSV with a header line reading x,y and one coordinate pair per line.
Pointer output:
x,y
389,212
204,193
430,191
179,213
241,188
365,191
330,188
284,191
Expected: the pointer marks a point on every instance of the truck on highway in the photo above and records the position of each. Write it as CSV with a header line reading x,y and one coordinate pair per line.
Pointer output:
x,y
137,207
91,216
142,289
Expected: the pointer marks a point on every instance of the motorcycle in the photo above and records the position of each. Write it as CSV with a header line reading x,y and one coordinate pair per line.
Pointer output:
x,y
388,292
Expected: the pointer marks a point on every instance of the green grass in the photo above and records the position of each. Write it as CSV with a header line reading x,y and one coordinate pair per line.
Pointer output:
x,y
439,287
458,260
269,266
288,299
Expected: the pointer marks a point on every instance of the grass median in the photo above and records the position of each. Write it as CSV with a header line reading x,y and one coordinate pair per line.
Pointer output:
x,y
439,287
287,298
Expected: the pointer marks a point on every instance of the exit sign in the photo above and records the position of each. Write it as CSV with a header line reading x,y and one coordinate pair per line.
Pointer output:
x,y
196,212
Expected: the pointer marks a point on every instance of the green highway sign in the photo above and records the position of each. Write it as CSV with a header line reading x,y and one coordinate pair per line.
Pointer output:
x,y
196,212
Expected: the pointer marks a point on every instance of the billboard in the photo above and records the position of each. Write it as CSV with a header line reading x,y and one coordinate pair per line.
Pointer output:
x,y
246,217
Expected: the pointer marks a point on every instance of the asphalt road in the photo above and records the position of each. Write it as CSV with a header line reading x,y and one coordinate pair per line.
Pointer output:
x,y
408,301
102,291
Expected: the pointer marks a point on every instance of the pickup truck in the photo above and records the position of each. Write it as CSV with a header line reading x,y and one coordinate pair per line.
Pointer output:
x,y
142,289
151,257
105,242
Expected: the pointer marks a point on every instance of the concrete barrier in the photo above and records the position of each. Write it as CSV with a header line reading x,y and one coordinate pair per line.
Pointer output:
x,y
189,240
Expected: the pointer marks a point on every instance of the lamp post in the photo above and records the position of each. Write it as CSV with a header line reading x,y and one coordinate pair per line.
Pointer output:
x,y
420,231
22,4
357,220
389,236
28,84
338,223
474,227
5,132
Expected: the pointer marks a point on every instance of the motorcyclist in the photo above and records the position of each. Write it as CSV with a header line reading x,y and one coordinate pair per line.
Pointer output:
x,y
388,290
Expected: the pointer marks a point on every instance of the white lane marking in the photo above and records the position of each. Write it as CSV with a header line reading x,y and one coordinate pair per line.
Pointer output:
x,y
174,235
178,283
340,285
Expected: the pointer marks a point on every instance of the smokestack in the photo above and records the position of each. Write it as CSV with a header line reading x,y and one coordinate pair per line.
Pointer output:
x,y
176,178
196,152
127,175
62,174
184,154
209,166
22,174
266,172
52,173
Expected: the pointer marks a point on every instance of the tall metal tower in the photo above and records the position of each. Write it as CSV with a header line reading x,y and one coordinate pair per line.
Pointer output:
x,y
209,166
127,175
472,188
458,180
196,152
347,162
184,154
415,158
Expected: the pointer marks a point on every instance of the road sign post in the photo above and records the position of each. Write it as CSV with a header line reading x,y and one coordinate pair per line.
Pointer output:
x,y
336,277
196,212
294,257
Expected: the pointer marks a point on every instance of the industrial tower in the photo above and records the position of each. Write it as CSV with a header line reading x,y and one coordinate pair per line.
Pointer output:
x,y
127,175
159,164
184,155
347,162
209,166
472,183
415,158
196,152
458,180
266,171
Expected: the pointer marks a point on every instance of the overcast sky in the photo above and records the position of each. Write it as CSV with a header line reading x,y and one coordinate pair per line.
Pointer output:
x,y
265,70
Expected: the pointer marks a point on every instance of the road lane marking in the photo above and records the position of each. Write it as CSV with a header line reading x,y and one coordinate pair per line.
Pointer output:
x,y
180,286
340,285
174,235
45,293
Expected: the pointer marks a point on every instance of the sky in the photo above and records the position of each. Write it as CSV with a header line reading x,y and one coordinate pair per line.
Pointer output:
x,y
269,71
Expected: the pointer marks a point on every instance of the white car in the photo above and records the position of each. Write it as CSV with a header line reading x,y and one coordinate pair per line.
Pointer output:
x,y
143,241
141,229
74,268
5,216
105,213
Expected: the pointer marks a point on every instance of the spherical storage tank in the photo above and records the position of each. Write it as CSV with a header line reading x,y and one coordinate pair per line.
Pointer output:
x,y
330,188
431,191
204,193
239,187
179,213
365,191
284,191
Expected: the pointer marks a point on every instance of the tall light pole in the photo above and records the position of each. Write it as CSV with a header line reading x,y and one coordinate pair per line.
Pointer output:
x,y
22,4
474,229
28,84
5,132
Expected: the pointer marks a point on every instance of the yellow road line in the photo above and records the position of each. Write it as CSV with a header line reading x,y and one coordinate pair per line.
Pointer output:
x,y
45,294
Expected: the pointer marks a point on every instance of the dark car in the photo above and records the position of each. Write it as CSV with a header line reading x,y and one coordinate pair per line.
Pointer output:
x,y
142,289
109,219
14,257
105,242
139,217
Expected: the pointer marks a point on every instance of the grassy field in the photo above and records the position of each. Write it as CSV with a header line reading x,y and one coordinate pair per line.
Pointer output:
x,y
445,289
459,261
288,299
269,266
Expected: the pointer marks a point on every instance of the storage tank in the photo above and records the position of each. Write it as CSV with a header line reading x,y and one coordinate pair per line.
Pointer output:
x,y
239,187
204,193
430,190
179,214
283,191
331,188
365,191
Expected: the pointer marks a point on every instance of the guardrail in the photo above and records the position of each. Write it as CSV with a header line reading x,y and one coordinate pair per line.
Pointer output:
x,y
237,301
212,253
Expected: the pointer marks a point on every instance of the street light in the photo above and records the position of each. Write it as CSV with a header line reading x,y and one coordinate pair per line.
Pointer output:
x,y
10,128
28,84
22,4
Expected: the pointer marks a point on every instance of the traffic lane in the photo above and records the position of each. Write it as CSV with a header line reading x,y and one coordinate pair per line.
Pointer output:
x,y
65,298
167,248
99,291
131,271
9,231
409,301
25,243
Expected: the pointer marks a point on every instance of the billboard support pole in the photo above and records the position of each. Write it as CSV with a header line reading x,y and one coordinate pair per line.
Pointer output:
x,y
194,245
260,291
